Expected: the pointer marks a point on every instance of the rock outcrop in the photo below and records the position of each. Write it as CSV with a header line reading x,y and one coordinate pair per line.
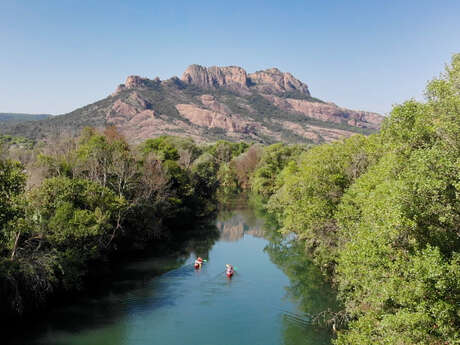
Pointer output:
x,y
232,77
136,82
209,104
213,119
328,112
236,78
274,81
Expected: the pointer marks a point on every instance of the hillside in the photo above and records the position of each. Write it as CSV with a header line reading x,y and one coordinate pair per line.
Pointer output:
x,y
212,103
20,117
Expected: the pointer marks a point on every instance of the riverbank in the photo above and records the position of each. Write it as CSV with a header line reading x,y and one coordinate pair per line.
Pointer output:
x,y
75,206
106,276
187,306
379,216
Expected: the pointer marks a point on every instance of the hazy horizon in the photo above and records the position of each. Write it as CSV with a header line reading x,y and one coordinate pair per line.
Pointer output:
x,y
59,56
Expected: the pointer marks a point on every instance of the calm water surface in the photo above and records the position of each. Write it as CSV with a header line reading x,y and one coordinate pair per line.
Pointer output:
x,y
185,306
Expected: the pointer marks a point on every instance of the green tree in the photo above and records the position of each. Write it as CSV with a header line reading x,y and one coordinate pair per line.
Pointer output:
x,y
398,267
307,201
273,160
161,147
76,212
12,184
78,218
225,151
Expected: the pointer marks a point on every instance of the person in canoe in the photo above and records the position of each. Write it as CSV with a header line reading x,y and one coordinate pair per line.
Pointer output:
x,y
229,270
198,262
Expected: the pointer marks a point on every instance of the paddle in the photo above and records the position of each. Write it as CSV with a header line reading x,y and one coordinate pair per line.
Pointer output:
x,y
204,260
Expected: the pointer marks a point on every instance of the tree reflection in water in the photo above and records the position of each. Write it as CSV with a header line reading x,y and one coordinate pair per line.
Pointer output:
x,y
308,288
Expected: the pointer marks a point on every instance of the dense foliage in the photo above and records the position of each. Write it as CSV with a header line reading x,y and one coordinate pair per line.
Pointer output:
x,y
380,216
8,141
94,198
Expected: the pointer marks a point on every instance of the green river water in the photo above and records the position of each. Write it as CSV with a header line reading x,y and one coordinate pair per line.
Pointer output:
x,y
201,307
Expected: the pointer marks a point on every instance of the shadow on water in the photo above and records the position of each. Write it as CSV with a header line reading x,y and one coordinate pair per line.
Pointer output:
x,y
308,287
134,284
156,299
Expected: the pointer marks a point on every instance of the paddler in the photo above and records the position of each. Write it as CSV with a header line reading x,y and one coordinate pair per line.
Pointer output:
x,y
228,270
198,262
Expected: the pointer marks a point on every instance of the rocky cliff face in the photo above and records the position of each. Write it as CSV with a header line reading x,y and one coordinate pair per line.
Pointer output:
x,y
211,103
233,77
137,82
274,81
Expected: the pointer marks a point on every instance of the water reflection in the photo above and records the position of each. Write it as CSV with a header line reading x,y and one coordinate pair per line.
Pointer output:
x,y
233,226
164,300
134,287
307,287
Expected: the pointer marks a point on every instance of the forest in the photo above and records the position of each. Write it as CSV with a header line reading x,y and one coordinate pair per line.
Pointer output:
x,y
378,214
70,206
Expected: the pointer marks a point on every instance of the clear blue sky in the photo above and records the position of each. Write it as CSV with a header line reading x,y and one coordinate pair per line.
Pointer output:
x,y
59,55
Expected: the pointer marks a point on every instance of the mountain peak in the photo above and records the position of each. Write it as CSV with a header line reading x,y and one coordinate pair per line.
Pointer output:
x,y
232,77
137,82
271,80
265,106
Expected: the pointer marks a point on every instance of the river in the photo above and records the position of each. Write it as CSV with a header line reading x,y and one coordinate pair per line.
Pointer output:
x,y
273,285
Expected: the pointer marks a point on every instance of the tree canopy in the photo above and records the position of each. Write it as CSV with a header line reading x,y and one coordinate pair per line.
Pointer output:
x,y
380,215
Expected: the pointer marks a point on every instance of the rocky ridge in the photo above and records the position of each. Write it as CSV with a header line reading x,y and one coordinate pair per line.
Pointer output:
x,y
269,81
211,103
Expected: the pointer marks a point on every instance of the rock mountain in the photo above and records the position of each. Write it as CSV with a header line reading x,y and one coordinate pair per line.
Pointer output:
x,y
212,103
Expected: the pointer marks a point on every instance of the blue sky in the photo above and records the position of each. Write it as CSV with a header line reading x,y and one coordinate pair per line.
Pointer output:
x,y
60,55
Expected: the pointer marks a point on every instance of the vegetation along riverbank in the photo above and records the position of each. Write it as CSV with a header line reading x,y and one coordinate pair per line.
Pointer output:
x,y
379,214
70,206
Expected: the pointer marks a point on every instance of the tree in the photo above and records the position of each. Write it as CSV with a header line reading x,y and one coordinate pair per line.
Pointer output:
x,y
162,148
245,164
273,160
308,199
76,213
12,184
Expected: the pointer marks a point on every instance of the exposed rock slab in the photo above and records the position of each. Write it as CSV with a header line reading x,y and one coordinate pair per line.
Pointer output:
x,y
213,119
328,112
210,102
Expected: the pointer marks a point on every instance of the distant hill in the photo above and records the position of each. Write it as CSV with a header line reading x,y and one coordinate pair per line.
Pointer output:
x,y
208,104
19,117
